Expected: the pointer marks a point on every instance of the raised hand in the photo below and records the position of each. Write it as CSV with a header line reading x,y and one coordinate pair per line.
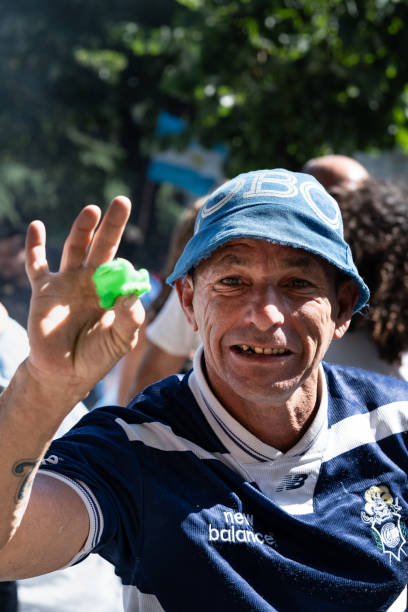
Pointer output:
x,y
73,341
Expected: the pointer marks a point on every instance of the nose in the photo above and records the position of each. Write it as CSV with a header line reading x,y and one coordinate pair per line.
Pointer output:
x,y
265,309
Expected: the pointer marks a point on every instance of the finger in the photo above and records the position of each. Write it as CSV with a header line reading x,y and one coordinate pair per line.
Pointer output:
x,y
129,317
79,238
107,238
36,260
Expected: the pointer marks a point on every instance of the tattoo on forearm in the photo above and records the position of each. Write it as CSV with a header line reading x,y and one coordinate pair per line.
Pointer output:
x,y
23,469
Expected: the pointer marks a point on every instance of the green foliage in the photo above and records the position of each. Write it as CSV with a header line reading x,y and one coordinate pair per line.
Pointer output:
x,y
107,63
168,209
68,89
20,190
283,81
96,152
277,81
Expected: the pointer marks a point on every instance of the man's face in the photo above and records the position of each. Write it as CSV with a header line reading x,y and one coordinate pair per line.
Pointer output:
x,y
266,314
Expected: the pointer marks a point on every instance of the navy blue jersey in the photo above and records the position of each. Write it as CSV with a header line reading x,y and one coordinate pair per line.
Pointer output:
x,y
197,514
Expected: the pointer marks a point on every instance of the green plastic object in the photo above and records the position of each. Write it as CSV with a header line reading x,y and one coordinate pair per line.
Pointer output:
x,y
119,277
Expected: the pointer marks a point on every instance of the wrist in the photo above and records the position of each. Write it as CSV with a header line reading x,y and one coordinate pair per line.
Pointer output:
x,y
31,394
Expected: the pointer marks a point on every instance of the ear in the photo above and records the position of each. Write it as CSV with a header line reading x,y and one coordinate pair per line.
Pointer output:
x,y
347,296
185,289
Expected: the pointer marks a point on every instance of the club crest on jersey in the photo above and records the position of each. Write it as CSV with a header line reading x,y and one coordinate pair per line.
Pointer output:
x,y
383,514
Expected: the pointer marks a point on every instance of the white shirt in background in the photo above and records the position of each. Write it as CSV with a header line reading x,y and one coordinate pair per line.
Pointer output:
x,y
171,331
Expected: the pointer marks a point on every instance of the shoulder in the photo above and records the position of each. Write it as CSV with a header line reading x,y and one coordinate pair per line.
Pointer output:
x,y
349,381
358,390
165,410
110,431
159,401
364,377
157,398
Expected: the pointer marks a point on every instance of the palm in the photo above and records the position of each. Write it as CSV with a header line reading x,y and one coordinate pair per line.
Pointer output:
x,y
73,341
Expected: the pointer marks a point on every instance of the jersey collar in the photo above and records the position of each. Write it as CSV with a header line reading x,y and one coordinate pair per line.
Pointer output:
x,y
239,441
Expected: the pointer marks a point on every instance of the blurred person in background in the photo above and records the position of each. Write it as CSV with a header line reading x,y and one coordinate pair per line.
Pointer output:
x,y
167,342
62,591
337,172
375,218
375,225
15,291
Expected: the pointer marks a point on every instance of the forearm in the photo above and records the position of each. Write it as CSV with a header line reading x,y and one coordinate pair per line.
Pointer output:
x,y
73,344
29,417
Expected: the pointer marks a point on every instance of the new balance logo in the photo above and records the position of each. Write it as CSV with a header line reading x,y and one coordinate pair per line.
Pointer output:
x,y
238,529
292,481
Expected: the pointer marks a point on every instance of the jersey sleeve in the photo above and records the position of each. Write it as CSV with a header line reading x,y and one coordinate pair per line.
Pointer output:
x,y
96,459
171,331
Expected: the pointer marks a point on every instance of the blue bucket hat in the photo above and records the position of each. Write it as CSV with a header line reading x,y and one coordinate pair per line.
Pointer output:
x,y
283,207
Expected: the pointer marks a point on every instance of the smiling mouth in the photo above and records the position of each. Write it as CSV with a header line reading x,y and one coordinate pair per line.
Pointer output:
x,y
259,350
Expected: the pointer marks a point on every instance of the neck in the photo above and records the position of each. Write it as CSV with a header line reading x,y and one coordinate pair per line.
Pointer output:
x,y
280,425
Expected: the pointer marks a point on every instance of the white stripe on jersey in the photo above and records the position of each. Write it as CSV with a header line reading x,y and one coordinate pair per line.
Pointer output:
x,y
160,436
133,599
368,428
400,604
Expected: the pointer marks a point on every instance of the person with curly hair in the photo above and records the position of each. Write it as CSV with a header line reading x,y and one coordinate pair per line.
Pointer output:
x,y
375,217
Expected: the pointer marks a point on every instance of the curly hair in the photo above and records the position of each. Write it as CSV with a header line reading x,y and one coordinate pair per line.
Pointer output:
x,y
375,218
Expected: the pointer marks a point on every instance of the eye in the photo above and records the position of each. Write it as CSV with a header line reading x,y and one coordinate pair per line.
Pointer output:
x,y
231,281
229,284
299,283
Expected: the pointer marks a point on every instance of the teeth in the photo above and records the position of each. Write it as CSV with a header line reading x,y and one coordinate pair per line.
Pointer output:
x,y
245,348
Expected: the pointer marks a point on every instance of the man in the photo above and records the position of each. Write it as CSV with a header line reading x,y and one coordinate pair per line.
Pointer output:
x,y
262,480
